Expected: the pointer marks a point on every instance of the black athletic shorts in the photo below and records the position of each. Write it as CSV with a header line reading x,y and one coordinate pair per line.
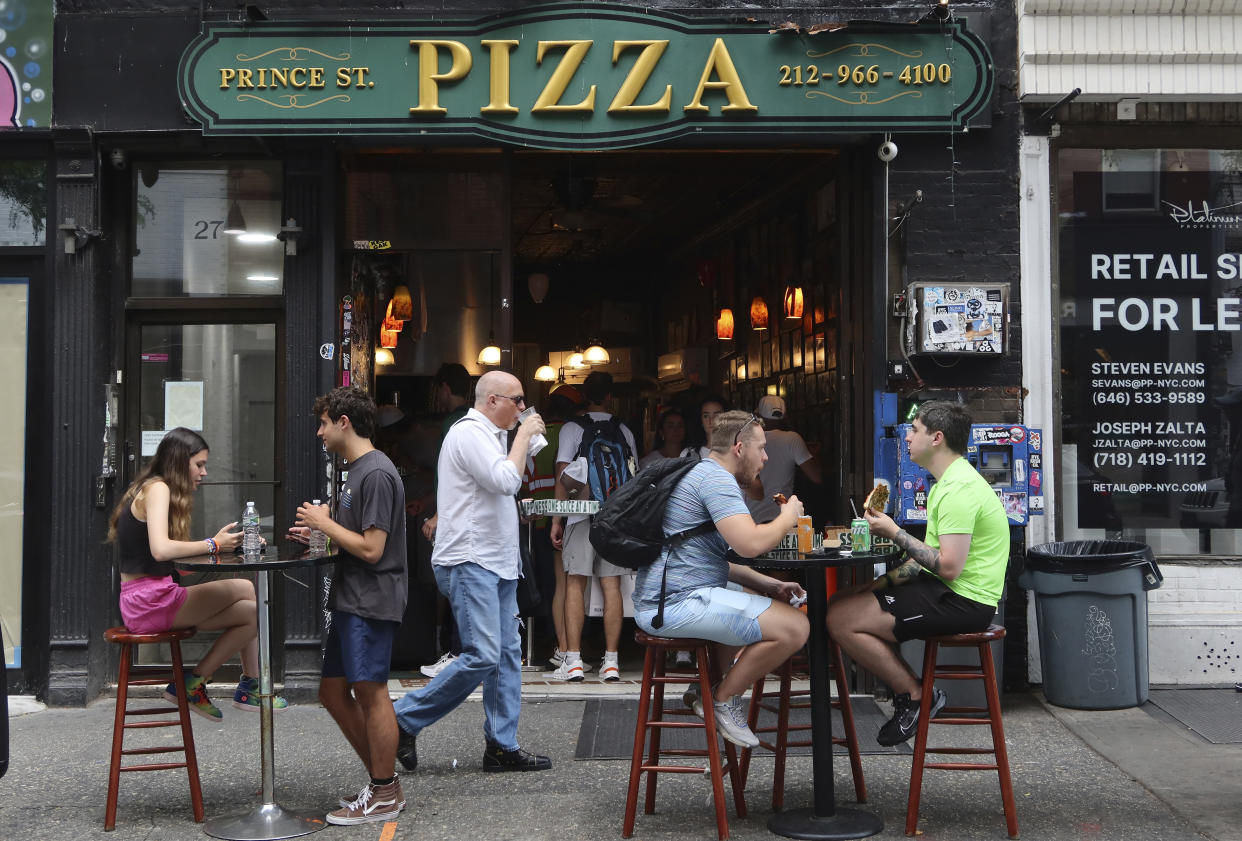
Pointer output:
x,y
926,607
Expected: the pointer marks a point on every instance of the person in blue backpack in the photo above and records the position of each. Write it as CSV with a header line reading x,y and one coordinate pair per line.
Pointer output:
x,y
606,447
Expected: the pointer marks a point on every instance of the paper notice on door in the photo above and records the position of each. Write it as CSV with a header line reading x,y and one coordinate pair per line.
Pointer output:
x,y
183,404
151,439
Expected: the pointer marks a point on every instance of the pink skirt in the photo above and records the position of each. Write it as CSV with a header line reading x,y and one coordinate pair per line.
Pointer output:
x,y
149,605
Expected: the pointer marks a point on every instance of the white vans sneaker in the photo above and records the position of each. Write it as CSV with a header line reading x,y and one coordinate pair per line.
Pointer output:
x,y
439,665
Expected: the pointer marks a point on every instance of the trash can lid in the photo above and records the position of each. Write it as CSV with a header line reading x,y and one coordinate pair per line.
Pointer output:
x,y
1089,556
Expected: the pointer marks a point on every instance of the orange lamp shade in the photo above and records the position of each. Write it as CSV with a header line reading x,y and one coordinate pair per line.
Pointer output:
x,y
793,302
724,324
758,314
388,338
392,324
401,306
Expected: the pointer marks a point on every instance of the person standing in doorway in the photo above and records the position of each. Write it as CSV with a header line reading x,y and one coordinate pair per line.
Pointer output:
x,y
670,439
598,431
477,564
368,598
787,454
450,394
709,407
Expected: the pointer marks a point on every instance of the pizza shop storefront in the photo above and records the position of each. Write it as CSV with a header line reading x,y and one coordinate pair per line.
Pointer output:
x,y
725,206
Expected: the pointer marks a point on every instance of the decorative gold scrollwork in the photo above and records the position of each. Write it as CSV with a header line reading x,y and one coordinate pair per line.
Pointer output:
x,y
865,50
293,100
864,97
293,54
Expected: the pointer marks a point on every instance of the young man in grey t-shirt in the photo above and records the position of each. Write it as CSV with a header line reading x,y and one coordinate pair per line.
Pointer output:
x,y
368,598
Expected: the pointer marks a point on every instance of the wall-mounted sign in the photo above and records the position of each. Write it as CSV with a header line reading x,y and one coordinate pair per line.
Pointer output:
x,y
569,76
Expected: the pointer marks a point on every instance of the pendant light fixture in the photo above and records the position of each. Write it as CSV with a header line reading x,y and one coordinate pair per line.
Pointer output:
x,y
384,356
490,355
793,302
724,324
758,314
545,374
596,355
576,360
401,306
235,222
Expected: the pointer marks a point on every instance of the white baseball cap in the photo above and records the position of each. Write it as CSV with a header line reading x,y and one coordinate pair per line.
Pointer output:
x,y
771,407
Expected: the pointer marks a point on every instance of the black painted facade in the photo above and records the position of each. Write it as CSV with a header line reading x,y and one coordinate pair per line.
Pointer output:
x,y
115,87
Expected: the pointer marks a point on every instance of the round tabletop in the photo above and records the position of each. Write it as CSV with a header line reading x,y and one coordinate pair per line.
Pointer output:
x,y
286,556
821,558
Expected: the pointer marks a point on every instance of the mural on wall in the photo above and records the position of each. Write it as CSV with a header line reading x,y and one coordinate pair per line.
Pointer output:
x,y
25,63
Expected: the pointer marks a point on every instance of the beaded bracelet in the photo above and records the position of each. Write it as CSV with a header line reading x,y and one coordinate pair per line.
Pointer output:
x,y
212,546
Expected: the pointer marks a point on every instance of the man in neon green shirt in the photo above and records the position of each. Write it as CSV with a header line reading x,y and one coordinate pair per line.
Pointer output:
x,y
949,584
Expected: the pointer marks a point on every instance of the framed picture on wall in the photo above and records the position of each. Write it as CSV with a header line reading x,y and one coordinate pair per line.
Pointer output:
x,y
810,389
786,351
774,354
819,352
754,368
808,353
830,349
739,370
795,349
827,390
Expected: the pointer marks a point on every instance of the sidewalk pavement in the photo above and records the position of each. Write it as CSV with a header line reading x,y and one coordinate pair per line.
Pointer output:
x,y
1103,776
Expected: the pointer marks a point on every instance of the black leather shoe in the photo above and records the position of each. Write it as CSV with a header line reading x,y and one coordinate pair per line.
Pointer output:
x,y
407,750
496,758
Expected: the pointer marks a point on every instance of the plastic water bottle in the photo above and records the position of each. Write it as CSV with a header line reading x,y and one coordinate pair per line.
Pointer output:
x,y
252,542
318,540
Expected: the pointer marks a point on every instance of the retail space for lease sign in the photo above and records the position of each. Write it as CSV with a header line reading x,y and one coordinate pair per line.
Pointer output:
x,y
585,76
1151,339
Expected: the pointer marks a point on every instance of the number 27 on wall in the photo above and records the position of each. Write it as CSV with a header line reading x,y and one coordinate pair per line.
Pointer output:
x,y
204,229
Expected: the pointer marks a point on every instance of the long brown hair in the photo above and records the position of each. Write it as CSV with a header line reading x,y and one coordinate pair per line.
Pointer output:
x,y
172,466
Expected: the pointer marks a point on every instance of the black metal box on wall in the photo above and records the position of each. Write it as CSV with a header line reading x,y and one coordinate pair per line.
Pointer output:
x,y
957,319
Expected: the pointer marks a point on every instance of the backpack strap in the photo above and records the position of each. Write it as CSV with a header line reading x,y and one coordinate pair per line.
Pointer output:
x,y
657,621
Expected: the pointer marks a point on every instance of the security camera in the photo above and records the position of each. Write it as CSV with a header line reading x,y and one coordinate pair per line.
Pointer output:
x,y
118,158
887,151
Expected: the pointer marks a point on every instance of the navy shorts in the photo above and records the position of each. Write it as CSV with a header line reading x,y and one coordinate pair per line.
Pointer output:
x,y
926,607
358,649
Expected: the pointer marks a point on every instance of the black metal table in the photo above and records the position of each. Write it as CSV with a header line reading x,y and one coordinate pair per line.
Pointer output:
x,y
823,820
268,821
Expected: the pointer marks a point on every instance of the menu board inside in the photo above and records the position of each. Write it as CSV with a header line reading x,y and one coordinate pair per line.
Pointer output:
x,y
1150,270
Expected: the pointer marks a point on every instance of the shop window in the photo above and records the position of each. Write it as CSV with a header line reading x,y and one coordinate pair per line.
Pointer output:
x,y
207,229
1150,320
23,203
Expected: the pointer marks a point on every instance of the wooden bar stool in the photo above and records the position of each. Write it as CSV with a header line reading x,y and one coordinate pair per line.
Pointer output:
x,y
128,641
782,707
651,722
985,672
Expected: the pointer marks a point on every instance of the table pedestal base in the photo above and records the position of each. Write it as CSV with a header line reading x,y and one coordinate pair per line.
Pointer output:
x,y
268,822
846,823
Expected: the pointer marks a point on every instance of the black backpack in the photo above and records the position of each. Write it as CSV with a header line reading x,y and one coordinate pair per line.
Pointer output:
x,y
629,529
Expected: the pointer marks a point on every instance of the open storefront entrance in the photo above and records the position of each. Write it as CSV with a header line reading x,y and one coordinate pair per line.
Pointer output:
x,y
727,273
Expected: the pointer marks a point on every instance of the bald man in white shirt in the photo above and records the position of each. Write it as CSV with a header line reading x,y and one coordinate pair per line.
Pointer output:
x,y
477,565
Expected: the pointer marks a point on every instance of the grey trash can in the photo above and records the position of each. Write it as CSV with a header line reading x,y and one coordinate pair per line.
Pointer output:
x,y
1091,608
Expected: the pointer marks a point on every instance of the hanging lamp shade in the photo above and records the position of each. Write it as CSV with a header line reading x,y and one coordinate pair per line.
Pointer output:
x,y
401,306
538,284
383,356
724,324
758,314
545,374
576,360
391,323
388,338
793,302
490,355
596,355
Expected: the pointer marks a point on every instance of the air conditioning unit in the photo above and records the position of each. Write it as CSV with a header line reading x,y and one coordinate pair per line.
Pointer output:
x,y
682,368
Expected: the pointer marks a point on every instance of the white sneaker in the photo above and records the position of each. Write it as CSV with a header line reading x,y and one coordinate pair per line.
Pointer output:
x,y
439,665
731,722
683,660
609,671
570,672
557,658
692,700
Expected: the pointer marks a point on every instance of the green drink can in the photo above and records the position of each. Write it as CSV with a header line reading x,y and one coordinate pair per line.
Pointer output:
x,y
860,535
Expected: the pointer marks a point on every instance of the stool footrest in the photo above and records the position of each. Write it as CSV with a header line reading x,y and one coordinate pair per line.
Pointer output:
x,y
158,766
943,720
961,766
146,751
989,751
151,711
147,725
152,681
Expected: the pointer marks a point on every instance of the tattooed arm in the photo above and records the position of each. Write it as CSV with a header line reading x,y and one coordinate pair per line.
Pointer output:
x,y
947,561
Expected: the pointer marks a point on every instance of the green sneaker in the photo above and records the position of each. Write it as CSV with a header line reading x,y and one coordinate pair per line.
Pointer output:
x,y
196,695
247,696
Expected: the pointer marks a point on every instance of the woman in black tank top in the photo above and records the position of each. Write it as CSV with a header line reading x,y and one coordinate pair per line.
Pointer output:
x,y
151,526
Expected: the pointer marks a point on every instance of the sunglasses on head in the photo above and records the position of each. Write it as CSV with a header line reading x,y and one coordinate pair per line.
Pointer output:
x,y
738,437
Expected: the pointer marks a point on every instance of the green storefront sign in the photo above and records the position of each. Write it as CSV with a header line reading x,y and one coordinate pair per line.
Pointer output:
x,y
570,76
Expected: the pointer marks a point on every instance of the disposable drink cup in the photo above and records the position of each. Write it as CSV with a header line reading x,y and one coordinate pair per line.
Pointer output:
x,y
537,442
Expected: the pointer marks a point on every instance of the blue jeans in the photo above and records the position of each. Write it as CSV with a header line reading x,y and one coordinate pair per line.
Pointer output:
x,y
485,609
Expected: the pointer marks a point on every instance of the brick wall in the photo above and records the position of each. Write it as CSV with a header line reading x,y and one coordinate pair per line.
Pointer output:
x,y
1195,625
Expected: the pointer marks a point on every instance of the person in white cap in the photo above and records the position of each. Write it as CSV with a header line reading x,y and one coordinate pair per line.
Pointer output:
x,y
787,453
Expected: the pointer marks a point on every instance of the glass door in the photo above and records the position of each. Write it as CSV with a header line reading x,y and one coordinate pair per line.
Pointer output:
x,y
219,379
